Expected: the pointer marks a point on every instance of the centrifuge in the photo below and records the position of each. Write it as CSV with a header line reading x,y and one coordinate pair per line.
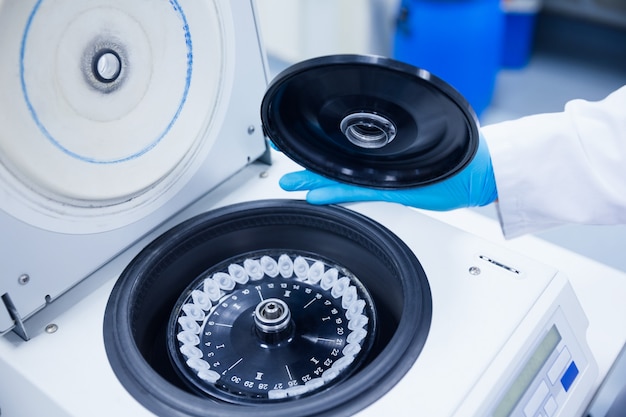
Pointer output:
x,y
152,265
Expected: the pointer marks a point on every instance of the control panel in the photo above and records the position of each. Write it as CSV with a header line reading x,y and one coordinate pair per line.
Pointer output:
x,y
542,385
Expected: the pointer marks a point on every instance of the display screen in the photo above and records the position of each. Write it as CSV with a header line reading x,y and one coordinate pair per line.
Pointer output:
x,y
528,373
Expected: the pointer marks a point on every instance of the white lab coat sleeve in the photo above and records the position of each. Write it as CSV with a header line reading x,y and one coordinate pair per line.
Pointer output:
x,y
557,168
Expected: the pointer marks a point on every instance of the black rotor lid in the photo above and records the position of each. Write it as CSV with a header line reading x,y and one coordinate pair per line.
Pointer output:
x,y
370,121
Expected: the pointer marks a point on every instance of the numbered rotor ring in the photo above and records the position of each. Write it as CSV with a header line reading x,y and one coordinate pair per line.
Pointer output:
x,y
271,327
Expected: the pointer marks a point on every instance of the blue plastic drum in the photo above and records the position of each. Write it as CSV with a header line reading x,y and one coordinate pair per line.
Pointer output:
x,y
460,41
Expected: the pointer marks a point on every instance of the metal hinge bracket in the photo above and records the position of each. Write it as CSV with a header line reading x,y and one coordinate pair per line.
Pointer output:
x,y
19,328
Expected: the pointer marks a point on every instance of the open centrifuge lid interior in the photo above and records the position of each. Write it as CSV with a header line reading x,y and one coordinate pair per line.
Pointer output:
x,y
370,121
86,87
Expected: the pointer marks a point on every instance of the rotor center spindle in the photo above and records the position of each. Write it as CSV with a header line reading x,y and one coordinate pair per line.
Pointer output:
x,y
272,315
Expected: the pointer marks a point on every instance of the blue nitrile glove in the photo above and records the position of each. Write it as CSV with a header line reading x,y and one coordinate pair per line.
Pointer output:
x,y
475,185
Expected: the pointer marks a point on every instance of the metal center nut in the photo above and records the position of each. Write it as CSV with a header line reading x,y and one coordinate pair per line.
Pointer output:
x,y
272,315
368,130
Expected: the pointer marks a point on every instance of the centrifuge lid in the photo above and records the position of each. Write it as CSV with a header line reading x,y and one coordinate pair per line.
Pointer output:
x,y
370,121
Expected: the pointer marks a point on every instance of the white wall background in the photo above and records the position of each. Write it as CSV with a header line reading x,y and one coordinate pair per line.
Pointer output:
x,y
294,30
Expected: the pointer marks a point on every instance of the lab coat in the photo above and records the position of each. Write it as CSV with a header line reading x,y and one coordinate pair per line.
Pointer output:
x,y
557,168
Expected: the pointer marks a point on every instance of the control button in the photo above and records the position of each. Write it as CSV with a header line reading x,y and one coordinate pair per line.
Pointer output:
x,y
556,370
550,407
536,399
569,376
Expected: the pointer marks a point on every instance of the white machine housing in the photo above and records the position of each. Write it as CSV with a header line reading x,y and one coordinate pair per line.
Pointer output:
x,y
491,308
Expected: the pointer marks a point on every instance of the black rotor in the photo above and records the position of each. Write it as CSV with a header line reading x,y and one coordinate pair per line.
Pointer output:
x,y
370,121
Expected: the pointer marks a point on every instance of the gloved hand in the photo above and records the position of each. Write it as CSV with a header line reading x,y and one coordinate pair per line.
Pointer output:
x,y
475,185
